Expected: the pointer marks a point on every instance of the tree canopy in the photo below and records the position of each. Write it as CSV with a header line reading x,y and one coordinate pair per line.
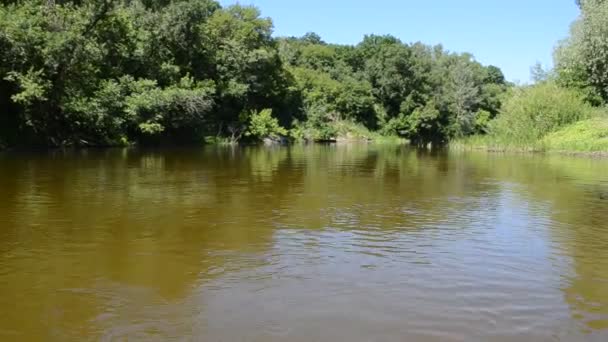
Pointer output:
x,y
582,59
102,72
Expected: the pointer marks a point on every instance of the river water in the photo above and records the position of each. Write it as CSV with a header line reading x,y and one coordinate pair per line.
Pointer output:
x,y
302,243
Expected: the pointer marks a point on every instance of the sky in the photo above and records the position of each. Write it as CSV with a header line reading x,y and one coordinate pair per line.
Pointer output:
x,y
511,34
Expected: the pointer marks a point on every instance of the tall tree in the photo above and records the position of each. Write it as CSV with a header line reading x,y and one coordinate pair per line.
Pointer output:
x,y
582,59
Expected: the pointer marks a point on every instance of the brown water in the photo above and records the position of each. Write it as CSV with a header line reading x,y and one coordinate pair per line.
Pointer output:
x,y
317,243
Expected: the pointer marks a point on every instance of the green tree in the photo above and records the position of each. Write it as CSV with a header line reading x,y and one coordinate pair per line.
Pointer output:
x,y
582,59
102,72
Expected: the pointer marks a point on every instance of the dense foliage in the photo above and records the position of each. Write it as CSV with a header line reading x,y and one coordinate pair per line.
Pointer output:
x,y
422,92
103,72
565,109
582,59
532,112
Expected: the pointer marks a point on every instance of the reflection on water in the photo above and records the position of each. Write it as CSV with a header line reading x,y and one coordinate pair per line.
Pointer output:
x,y
303,243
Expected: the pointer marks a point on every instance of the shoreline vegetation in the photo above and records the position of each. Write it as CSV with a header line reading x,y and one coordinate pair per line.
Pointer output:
x,y
158,72
565,110
583,138
544,118
191,72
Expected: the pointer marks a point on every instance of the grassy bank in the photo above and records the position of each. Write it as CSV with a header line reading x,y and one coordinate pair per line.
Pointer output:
x,y
583,137
347,131
544,118
340,131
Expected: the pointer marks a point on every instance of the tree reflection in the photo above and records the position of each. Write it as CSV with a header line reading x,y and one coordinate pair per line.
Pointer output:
x,y
573,188
90,238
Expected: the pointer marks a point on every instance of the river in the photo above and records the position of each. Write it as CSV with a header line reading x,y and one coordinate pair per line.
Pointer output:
x,y
302,243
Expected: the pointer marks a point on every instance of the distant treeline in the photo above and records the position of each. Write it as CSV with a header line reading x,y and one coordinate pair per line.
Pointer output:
x,y
102,72
96,72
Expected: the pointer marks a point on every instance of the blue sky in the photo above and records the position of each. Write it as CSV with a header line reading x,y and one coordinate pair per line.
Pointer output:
x,y
511,34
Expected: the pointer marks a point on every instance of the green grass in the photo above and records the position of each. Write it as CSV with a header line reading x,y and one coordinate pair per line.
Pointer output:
x,y
220,141
583,136
495,144
586,136
530,113
544,118
344,131
351,131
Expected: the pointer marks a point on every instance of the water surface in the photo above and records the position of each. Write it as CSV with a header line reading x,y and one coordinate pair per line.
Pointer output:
x,y
303,243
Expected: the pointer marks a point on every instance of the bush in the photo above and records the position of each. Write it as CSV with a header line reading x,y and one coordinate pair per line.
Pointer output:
x,y
320,124
263,125
532,112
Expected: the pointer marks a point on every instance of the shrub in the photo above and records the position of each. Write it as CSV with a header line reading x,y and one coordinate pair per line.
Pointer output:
x,y
263,125
320,124
532,112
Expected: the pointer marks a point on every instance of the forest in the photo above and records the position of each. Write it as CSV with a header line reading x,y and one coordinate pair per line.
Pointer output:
x,y
151,72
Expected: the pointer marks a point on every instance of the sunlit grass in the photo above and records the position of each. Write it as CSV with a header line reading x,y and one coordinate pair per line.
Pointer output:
x,y
496,144
349,130
584,136
544,118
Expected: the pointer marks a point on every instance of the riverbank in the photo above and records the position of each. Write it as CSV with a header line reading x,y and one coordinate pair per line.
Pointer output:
x,y
585,138
339,131
348,137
